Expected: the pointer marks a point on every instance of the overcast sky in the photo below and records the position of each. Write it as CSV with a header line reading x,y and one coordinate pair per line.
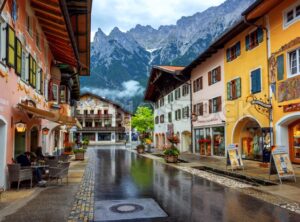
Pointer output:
x,y
125,14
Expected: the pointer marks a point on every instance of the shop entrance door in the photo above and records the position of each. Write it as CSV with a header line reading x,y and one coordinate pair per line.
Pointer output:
x,y
3,136
34,139
20,143
294,141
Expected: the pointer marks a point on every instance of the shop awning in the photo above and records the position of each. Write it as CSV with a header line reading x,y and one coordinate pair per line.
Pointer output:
x,y
48,115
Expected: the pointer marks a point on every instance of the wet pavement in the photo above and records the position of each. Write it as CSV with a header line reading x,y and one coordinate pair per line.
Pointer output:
x,y
124,176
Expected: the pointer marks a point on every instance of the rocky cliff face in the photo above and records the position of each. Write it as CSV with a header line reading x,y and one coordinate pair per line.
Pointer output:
x,y
120,62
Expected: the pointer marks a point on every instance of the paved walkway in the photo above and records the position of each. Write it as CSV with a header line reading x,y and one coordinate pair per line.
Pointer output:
x,y
50,204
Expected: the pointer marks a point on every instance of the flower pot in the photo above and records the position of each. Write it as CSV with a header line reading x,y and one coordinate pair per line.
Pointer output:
x,y
140,150
79,156
171,159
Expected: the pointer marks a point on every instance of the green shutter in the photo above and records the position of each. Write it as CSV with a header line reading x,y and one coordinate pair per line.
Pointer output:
x,y
280,67
247,42
238,87
229,91
10,47
238,48
256,81
260,35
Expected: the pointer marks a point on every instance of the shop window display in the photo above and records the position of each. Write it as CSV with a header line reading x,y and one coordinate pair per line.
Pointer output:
x,y
252,143
218,136
295,146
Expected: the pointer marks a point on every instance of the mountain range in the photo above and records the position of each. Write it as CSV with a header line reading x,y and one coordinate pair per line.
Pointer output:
x,y
121,61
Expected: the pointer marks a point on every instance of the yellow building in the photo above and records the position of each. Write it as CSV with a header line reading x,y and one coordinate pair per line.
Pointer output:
x,y
246,82
284,68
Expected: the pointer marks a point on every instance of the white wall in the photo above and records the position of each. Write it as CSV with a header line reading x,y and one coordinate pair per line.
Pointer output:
x,y
3,143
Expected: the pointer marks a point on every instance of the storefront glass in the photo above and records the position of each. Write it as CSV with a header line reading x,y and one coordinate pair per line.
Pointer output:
x,y
295,147
90,136
104,136
197,137
218,136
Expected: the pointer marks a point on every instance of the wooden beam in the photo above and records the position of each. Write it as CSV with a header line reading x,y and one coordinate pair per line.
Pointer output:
x,y
50,30
52,22
41,13
46,6
59,37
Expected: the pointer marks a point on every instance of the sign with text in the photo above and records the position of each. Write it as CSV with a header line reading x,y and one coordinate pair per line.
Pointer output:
x,y
233,157
280,164
291,107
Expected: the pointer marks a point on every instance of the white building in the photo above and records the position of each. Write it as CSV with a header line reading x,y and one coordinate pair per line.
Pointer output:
x,y
169,91
103,121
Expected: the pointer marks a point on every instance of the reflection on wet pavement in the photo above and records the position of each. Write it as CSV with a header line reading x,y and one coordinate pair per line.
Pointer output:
x,y
121,174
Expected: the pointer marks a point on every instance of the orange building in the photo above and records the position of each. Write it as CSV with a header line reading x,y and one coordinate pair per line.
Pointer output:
x,y
44,48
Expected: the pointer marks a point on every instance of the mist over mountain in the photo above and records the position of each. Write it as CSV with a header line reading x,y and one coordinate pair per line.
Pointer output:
x,y
121,61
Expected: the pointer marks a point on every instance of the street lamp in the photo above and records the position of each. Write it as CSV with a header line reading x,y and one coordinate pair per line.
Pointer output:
x,y
20,127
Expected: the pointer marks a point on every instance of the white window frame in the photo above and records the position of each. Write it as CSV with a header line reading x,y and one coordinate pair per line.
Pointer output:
x,y
25,68
46,85
38,80
286,11
289,73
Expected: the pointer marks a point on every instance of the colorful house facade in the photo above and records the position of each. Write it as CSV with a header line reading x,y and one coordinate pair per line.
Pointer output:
x,y
208,120
169,92
284,69
39,67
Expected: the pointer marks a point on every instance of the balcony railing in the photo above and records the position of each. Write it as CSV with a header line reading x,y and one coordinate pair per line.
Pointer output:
x,y
94,116
103,129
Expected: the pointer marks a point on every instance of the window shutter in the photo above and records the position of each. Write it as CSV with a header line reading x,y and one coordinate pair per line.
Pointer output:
x,y
238,87
280,67
238,48
195,111
187,112
210,105
201,82
194,86
247,42
209,78
228,55
229,91
260,35
41,82
219,103
219,73
18,57
10,47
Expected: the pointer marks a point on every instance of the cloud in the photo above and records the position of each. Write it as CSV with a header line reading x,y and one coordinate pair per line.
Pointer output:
x,y
129,89
125,14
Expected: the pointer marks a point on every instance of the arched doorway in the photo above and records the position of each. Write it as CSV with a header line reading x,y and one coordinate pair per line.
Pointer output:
x,y
288,135
3,140
34,139
248,134
20,143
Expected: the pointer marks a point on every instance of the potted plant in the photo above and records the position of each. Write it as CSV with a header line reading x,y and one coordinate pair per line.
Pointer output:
x,y
140,148
79,154
85,143
68,148
172,153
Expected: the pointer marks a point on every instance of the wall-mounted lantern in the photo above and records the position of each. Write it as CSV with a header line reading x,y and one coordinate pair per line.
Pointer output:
x,y
20,127
45,131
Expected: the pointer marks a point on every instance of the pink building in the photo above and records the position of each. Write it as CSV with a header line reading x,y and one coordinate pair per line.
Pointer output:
x,y
207,80
39,63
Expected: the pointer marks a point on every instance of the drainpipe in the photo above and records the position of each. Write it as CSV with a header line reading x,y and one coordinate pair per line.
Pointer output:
x,y
269,94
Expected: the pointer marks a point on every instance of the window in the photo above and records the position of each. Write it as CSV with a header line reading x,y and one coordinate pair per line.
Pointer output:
x,y
186,112
37,39
254,38
46,83
177,93
185,90
88,124
29,24
234,89
32,71
91,111
170,97
292,14
170,117
198,84
85,112
294,62
55,92
162,118
178,114
256,81
24,69
215,105
18,57
233,52
38,81
10,59
162,102
156,120
198,109
63,90
214,76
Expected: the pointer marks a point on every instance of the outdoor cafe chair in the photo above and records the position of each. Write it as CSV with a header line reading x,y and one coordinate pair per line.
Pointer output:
x,y
17,174
51,162
59,172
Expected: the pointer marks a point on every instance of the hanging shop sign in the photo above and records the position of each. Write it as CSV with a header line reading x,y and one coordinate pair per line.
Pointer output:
x,y
291,107
234,158
281,165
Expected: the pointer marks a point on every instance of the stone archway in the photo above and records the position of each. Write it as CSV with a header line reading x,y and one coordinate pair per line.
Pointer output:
x,y
3,144
247,134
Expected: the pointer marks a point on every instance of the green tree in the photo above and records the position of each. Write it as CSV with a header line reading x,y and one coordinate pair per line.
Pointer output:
x,y
143,120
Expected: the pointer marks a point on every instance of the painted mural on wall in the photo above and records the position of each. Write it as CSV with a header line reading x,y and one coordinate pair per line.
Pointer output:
x,y
289,89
